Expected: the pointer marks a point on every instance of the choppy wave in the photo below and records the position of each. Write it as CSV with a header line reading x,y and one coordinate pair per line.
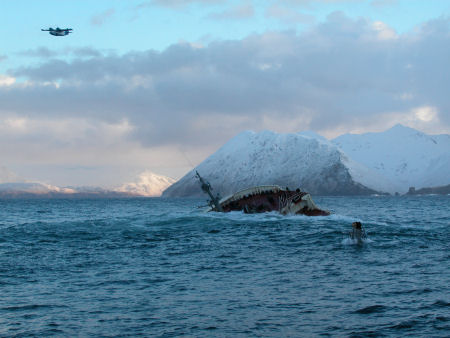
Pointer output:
x,y
372,309
353,241
165,268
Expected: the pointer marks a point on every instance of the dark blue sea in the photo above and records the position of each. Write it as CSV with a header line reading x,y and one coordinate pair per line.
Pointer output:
x,y
164,268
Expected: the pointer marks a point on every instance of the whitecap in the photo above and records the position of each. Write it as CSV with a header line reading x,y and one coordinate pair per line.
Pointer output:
x,y
354,241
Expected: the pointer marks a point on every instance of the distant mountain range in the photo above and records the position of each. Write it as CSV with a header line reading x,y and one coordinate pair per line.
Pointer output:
x,y
388,162
147,184
372,163
442,190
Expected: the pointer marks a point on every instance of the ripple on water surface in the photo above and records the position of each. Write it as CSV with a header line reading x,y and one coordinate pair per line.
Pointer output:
x,y
163,267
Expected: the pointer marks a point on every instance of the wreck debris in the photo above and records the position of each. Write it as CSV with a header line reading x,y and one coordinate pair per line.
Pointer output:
x,y
264,198
206,187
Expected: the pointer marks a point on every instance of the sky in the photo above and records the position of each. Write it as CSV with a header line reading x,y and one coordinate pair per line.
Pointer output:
x,y
161,84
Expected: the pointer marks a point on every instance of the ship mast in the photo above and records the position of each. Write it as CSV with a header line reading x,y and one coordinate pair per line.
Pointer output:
x,y
206,187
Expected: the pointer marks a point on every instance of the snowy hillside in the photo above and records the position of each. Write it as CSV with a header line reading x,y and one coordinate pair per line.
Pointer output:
x,y
147,184
11,183
302,160
403,155
33,188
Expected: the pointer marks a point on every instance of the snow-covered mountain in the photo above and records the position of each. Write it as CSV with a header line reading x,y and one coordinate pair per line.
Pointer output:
x,y
405,156
147,184
304,160
13,184
33,188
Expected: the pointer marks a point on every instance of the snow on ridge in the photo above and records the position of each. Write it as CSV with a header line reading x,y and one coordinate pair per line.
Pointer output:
x,y
33,188
11,182
405,156
269,151
314,135
147,184
266,158
370,178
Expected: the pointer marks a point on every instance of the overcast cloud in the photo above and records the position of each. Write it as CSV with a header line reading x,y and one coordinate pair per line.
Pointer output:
x,y
343,75
99,19
243,11
289,15
179,3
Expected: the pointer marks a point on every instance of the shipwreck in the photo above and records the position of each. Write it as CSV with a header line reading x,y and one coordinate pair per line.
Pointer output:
x,y
263,198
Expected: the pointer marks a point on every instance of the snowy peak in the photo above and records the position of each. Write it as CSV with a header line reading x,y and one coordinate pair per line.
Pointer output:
x,y
266,158
401,130
405,156
389,161
147,184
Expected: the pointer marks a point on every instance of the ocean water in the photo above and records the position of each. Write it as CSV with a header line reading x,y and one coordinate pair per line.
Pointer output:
x,y
156,267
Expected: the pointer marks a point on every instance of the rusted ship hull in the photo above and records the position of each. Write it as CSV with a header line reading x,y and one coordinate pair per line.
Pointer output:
x,y
272,198
263,198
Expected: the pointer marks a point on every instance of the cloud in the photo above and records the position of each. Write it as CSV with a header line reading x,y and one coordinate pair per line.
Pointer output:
x,y
288,15
383,3
40,52
384,31
425,113
424,118
338,76
310,3
85,52
6,81
3,57
175,4
244,11
63,131
45,52
99,19
7,176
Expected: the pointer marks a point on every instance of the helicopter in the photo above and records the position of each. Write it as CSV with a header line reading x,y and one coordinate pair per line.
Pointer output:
x,y
58,31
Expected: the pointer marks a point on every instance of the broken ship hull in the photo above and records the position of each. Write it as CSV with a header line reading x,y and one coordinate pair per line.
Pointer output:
x,y
271,198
